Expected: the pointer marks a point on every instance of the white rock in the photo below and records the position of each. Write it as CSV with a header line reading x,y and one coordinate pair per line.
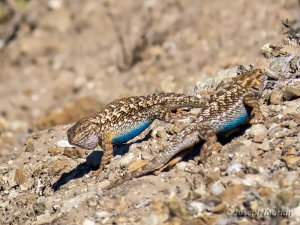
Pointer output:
x,y
258,132
88,222
234,168
55,4
127,159
63,144
104,214
197,208
217,188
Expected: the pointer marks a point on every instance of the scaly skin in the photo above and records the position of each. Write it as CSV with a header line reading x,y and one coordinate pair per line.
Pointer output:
x,y
124,119
231,106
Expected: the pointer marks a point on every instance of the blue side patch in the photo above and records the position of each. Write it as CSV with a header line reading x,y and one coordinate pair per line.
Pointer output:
x,y
132,133
234,123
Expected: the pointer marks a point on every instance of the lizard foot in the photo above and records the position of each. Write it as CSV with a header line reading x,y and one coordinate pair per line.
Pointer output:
x,y
208,149
136,165
257,119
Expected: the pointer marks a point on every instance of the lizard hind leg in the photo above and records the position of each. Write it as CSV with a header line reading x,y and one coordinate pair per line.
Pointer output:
x,y
173,161
165,114
211,144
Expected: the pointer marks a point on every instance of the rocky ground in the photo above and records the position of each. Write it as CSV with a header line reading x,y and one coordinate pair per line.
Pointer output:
x,y
64,59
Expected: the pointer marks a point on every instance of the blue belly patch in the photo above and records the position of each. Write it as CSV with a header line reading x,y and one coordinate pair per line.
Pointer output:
x,y
132,133
234,122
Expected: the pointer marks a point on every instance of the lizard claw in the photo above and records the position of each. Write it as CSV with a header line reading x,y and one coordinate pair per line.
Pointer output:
x,y
257,119
207,151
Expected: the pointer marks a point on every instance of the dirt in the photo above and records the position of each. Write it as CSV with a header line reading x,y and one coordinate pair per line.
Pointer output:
x,y
65,61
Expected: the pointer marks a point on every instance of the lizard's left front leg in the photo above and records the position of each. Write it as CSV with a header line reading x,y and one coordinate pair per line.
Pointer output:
x,y
107,155
251,101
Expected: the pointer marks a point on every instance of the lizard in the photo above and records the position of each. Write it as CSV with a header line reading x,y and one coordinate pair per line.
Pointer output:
x,y
232,105
124,119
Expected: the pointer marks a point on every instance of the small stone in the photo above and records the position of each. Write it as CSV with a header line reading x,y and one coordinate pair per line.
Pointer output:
x,y
217,188
29,145
234,168
55,4
92,202
278,132
291,161
291,92
74,153
265,145
20,176
288,141
292,151
11,178
37,169
292,108
258,132
3,124
288,180
57,166
126,160
7,137
196,208
63,144
104,214
39,208
53,150
276,97
3,169
233,193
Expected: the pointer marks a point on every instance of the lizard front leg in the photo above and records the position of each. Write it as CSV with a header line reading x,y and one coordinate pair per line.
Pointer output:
x,y
251,101
107,154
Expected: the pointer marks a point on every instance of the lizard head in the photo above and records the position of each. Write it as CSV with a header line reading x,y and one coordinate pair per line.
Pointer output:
x,y
254,80
84,134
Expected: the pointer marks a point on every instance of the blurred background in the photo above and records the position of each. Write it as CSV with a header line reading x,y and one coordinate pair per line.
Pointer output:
x,y
63,59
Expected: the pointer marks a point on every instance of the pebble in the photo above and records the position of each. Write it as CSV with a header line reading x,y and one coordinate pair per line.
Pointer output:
x,y
258,132
64,144
265,145
29,145
216,188
276,97
53,150
196,208
234,168
88,222
292,108
74,153
55,4
291,161
127,159
104,214
11,178
20,176
153,219
57,166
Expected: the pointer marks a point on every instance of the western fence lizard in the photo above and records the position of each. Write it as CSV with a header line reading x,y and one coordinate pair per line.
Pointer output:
x,y
232,105
124,119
